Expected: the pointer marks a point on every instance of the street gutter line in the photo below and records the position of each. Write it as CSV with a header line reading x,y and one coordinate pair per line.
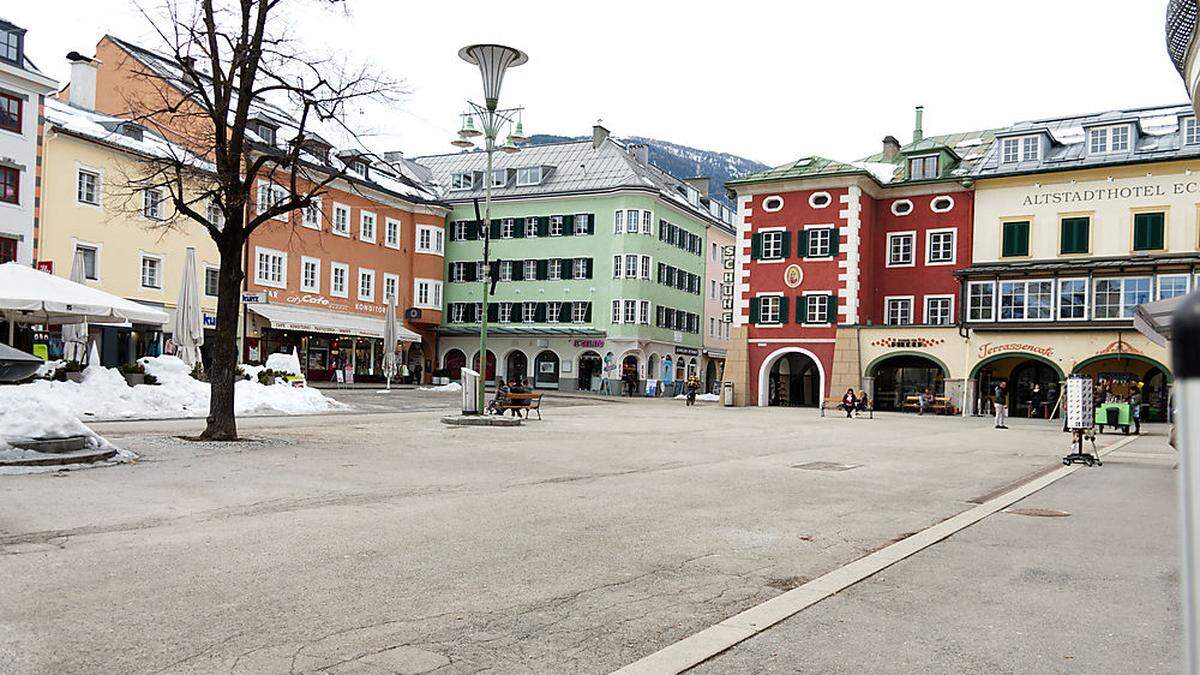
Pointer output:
x,y
700,647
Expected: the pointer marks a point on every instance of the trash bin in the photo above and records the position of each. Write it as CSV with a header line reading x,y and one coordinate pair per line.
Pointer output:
x,y
727,394
1114,416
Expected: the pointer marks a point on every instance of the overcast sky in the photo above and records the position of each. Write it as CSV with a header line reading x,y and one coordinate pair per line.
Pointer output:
x,y
766,80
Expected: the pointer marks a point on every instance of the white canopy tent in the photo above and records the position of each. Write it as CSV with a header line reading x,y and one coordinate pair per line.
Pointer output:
x,y
28,295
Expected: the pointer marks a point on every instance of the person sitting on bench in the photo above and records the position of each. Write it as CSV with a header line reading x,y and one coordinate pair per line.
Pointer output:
x,y
924,400
499,402
849,402
516,387
863,402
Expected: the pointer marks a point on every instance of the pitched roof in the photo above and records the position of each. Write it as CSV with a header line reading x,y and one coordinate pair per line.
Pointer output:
x,y
570,167
1156,136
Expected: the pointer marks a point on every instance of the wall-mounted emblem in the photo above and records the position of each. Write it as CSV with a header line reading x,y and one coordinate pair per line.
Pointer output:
x,y
793,276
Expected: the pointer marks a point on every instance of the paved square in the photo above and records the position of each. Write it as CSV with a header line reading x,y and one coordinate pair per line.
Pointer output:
x,y
389,542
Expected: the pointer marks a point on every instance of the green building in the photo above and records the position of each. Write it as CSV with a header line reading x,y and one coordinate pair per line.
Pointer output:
x,y
602,265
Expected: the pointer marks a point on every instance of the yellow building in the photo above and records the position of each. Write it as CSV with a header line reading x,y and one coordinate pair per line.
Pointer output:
x,y
132,244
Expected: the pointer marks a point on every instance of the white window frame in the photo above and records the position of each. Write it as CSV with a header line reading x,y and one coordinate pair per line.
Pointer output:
x,y
334,268
259,279
530,226
160,267
902,202
269,194
929,234
159,213
307,218
618,266
579,224
947,209
502,174
1107,143
433,296
505,273
579,312
926,319
528,312
369,275
435,245
631,266
554,269
922,159
392,230
831,230
526,266
462,181
772,203
340,209
1179,275
526,181
579,268
887,309
364,217
555,226
812,199
504,312
1034,143
316,263
97,191
1191,131
912,254
991,308
777,299
822,304
1026,300
647,222
76,244
1058,303
1126,310
763,250
646,263
632,220
204,280
619,221
1010,150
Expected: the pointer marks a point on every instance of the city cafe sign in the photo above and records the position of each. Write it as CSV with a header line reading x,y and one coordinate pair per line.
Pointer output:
x,y
320,301
1085,196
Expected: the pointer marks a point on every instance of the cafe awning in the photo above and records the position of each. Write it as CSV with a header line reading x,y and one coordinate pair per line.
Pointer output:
x,y
284,317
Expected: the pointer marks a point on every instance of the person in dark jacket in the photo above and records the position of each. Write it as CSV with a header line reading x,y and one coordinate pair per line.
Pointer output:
x,y
849,402
1000,399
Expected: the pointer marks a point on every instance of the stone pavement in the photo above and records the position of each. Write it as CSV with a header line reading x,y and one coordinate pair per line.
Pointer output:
x,y
386,541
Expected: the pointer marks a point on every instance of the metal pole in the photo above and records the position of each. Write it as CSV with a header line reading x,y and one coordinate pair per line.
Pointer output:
x,y
490,135
1185,357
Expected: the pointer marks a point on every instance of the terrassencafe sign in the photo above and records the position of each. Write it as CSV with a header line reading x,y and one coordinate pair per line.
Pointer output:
x,y
1110,193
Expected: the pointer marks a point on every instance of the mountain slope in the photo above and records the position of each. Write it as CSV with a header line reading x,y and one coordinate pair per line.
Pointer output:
x,y
683,161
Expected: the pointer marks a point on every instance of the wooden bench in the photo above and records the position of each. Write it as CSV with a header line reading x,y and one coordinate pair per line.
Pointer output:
x,y
836,404
941,405
526,402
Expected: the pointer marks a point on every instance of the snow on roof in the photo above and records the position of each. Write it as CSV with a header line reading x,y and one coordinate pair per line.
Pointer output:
x,y
107,129
884,172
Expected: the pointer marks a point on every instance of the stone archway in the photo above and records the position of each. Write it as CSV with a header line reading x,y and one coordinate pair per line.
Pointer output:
x,y
454,361
771,372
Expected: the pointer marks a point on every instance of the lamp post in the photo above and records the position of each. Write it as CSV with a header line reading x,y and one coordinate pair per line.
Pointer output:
x,y
493,62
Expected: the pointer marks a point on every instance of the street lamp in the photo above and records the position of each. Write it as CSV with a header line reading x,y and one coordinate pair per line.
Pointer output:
x,y
493,62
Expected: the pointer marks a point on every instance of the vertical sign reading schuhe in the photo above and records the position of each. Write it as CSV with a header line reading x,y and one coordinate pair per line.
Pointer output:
x,y
727,253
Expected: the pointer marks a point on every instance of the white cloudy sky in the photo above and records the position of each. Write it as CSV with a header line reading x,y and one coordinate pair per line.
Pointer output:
x,y
771,81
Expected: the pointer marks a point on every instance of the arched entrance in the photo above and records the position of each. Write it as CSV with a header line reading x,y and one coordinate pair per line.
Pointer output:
x,y
416,362
791,376
629,375
711,377
693,367
491,365
899,376
453,362
1120,373
1034,383
545,370
590,370
516,366
653,364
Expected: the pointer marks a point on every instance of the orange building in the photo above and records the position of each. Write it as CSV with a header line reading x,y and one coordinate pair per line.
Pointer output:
x,y
316,281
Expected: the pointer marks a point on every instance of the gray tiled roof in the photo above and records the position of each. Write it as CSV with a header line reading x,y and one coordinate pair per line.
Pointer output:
x,y
574,167
1157,136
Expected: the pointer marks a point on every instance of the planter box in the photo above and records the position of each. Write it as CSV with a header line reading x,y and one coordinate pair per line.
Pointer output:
x,y
441,380
134,378
75,377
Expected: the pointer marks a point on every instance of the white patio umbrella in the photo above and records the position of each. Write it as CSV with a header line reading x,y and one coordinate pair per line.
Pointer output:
x,y
1154,319
188,328
32,296
75,335
389,341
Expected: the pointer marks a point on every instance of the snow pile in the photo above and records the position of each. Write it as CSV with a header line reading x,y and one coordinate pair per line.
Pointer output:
x,y
284,363
453,386
104,395
711,398
48,368
32,418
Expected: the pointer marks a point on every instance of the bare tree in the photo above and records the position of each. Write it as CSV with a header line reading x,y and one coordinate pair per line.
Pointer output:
x,y
241,102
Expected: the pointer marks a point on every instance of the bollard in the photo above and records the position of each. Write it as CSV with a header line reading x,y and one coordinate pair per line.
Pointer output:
x,y
1185,361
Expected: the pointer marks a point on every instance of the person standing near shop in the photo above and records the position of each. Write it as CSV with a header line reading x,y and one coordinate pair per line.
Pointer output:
x,y
1135,408
1035,401
1000,401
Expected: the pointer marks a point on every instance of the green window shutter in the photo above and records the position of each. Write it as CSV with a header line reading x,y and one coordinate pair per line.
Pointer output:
x,y
588,274
452,230
568,225
472,230
591,223
756,246
543,226
1074,235
802,243
518,228
495,230
518,270
801,309
1015,239
587,313
783,309
1148,231
835,241
754,313
493,311
786,248
542,266
470,272
832,300
539,313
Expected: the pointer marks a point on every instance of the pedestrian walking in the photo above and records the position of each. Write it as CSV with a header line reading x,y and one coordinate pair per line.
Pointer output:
x,y
849,402
1135,408
693,385
1035,400
1000,401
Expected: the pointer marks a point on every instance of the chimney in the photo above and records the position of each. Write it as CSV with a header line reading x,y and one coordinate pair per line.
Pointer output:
x,y
393,155
891,147
640,152
699,184
83,81
918,133
599,133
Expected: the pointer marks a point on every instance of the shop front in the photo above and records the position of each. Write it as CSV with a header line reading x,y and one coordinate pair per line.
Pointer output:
x,y
331,346
544,358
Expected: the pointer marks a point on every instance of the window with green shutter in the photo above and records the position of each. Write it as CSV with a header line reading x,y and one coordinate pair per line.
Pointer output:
x,y
1148,231
1074,235
1015,239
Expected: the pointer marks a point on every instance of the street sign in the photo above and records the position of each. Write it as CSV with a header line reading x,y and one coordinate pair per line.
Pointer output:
x,y
253,297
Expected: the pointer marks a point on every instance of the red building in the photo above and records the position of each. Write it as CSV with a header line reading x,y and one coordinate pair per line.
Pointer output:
x,y
846,268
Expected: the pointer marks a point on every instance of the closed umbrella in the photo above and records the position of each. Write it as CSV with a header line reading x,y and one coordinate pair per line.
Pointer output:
x,y
188,328
75,335
389,341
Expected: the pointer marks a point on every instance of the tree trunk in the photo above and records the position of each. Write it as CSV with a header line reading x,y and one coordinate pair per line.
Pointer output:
x,y
222,424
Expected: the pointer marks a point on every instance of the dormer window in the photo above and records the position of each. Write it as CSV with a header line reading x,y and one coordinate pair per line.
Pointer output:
x,y
1021,149
266,132
923,168
530,175
462,181
10,46
1031,149
1011,153
359,167
1191,131
1108,139
499,178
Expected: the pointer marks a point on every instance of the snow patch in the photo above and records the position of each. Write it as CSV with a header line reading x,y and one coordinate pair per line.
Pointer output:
x,y
711,398
283,362
453,386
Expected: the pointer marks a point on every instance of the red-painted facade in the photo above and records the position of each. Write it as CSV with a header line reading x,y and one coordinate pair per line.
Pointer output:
x,y
858,275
